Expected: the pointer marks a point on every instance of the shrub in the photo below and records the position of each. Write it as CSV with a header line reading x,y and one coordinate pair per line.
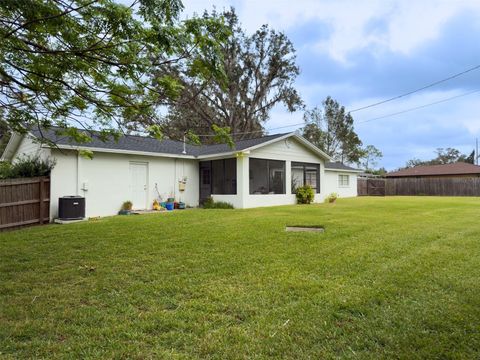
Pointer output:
x,y
332,197
305,194
127,205
26,167
5,170
211,204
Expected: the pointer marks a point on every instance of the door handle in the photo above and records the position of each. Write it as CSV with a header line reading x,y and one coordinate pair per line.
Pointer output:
x,y
144,187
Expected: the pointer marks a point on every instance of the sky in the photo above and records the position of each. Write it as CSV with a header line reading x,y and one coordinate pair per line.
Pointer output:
x,y
362,52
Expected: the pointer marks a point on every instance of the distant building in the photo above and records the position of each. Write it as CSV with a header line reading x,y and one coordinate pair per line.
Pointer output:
x,y
454,170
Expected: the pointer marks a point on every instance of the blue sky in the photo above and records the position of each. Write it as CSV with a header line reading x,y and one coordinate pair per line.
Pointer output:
x,y
361,52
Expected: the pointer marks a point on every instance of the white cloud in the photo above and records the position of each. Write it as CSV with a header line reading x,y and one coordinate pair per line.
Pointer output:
x,y
408,24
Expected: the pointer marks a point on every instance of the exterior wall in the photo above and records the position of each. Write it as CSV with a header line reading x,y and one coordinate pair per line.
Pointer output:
x,y
104,181
28,147
332,185
288,151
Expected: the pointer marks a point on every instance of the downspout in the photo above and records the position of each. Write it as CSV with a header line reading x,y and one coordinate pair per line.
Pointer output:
x,y
78,173
175,178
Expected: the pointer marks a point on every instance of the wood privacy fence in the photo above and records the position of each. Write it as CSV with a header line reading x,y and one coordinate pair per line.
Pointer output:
x,y
24,201
370,187
444,186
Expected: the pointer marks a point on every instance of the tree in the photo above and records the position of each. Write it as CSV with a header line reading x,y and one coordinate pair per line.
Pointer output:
x,y
444,156
331,129
259,73
470,159
85,63
370,157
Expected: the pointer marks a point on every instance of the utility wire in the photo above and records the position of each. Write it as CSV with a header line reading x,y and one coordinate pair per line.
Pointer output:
x,y
417,90
256,131
379,103
420,107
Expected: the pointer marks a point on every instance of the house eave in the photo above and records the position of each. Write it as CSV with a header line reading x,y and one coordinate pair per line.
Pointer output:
x,y
344,170
120,151
12,147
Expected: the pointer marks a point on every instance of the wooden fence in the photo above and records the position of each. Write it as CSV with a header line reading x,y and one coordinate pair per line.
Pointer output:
x,y
370,187
24,202
444,186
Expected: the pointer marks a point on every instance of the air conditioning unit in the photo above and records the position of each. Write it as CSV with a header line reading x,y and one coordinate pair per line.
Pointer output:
x,y
71,208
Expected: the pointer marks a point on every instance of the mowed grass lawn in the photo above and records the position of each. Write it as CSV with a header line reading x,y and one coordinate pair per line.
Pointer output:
x,y
389,278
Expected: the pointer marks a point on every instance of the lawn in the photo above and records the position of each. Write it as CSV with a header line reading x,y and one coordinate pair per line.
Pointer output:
x,y
389,278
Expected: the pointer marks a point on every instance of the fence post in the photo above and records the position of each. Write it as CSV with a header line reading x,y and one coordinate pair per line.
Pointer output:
x,y
42,198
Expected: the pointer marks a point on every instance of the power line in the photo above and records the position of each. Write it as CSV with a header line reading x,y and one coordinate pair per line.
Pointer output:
x,y
417,90
420,107
256,131
361,122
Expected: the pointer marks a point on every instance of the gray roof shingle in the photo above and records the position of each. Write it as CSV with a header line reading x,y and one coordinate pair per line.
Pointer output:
x,y
152,145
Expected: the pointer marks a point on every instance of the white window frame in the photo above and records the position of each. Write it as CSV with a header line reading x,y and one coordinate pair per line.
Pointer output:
x,y
341,180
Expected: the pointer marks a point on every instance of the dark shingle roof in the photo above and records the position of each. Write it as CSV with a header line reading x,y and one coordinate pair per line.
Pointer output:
x,y
339,166
459,168
152,145
239,145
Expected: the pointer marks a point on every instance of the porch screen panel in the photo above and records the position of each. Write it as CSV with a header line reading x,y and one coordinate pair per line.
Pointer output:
x,y
258,176
224,177
218,178
298,178
230,176
266,176
305,174
277,177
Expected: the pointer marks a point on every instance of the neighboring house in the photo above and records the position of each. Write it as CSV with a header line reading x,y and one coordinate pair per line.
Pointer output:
x,y
258,172
454,170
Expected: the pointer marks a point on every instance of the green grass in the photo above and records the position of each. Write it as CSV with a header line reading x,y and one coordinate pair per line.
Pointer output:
x,y
389,278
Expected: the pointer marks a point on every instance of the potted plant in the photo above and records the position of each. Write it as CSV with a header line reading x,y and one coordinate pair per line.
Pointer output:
x,y
170,205
126,208
332,198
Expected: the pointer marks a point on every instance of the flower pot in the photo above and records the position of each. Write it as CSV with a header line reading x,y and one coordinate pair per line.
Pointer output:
x,y
170,206
124,212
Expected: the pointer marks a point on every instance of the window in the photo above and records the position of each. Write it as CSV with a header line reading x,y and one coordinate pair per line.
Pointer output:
x,y
305,174
267,176
343,180
222,177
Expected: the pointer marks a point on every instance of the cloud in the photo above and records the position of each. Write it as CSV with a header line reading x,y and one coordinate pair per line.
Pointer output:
x,y
360,52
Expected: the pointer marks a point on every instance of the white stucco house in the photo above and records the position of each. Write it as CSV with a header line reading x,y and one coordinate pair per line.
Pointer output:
x,y
257,172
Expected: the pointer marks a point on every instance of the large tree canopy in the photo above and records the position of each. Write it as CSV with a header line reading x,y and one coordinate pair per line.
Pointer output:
x,y
331,129
87,63
259,73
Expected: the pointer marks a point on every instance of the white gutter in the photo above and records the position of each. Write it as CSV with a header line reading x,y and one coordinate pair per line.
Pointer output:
x,y
343,170
119,151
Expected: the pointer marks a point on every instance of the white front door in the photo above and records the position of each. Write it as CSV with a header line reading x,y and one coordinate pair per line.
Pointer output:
x,y
138,184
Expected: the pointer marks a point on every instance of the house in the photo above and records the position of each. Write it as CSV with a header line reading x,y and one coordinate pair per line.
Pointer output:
x,y
257,172
454,170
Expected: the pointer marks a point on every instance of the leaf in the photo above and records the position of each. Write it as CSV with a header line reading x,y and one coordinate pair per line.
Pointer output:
x,y
86,154
223,136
